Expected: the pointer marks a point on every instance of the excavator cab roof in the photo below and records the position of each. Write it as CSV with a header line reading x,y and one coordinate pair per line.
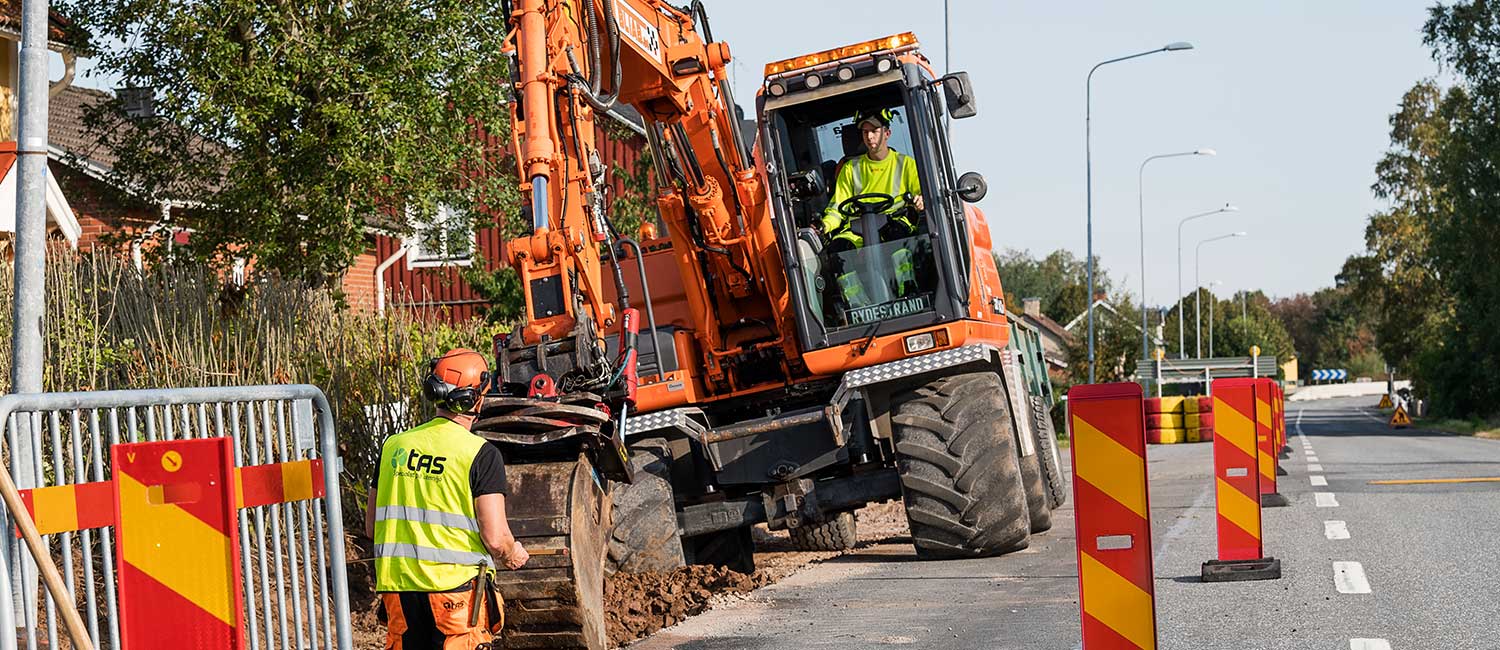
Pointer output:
x,y
838,65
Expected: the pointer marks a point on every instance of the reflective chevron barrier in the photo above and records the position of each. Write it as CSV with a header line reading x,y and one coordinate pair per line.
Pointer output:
x,y
1116,594
1237,487
1267,444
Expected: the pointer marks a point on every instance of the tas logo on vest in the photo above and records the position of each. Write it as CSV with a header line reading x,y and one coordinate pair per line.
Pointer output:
x,y
414,461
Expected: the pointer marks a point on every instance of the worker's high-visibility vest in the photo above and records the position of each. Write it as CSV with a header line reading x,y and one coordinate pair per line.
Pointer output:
x,y
865,173
426,534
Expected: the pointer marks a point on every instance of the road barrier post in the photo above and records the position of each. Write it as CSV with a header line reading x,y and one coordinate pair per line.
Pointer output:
x,y
1265,438
1237,487
1116,593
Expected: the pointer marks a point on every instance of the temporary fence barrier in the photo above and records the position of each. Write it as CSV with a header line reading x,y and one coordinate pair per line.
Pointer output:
x,y
288,523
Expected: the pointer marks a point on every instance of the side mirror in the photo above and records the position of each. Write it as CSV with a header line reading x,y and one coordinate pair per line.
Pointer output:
x,y
959,94
971,187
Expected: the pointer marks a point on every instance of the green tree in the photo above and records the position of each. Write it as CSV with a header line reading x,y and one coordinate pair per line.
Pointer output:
x,y
1117,342
1058,280
291,126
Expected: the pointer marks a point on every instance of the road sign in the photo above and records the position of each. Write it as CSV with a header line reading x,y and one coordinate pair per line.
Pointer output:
x,y
1399,419
1330,374
1117,593
1385,401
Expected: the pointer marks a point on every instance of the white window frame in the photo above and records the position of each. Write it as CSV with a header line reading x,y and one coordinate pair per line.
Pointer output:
x,y
418,257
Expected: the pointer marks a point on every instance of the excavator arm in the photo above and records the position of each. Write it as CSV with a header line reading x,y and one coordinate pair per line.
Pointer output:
x,y
561,396
576,59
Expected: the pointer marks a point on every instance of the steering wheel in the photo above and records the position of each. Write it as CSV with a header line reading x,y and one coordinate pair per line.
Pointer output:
x,y
867,203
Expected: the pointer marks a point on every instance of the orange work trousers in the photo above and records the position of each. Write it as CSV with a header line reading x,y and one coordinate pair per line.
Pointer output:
x,y
437,621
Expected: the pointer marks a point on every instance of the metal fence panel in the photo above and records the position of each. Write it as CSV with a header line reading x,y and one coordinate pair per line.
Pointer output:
x,y
292,554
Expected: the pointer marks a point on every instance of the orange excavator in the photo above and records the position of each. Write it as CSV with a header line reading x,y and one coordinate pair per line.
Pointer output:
x,y
665,394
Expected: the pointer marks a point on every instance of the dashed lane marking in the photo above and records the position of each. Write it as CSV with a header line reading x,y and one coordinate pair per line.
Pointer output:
x,y
1314,467
1349,578
1325,500
1420,481
1313,459
1369,644
1335,529
1318,481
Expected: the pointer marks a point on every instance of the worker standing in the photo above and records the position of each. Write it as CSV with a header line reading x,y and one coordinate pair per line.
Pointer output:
x,y
437,518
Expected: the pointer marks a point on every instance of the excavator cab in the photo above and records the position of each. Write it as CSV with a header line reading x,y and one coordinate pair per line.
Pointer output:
x,y
887,267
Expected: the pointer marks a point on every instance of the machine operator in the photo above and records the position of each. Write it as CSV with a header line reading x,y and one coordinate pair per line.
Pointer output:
x,y
437,518
880,171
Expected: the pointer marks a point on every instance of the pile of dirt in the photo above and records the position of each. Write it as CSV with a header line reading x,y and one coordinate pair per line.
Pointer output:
x,y
639,604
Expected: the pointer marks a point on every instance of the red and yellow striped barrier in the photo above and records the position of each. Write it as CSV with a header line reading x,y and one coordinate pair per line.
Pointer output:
x,y
1269,448
173,506
1237,486
178,545
1116,595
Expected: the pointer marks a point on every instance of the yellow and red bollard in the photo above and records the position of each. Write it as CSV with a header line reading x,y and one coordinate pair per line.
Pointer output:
x,y
1240,447
1116,594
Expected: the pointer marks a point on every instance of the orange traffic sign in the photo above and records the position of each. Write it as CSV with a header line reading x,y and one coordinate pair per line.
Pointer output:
x,y
1399,419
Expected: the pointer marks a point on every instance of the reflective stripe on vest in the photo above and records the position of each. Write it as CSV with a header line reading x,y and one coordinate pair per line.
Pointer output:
x,y
434,517
467,559
426,531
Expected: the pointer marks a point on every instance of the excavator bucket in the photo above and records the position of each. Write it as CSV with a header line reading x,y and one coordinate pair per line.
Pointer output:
x,y
557,599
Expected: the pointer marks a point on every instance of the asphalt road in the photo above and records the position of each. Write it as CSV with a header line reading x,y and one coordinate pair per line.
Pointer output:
x,y
1399,567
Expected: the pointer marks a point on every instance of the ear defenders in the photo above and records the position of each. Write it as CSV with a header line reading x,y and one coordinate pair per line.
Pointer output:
x,y
455,381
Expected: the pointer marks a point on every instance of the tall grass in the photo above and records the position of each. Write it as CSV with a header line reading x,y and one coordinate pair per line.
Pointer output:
x,y
111,326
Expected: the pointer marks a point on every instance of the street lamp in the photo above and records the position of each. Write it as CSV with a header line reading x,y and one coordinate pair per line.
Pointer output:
x,y
1141,206
1181,340
1088,161
1211,300
1197,295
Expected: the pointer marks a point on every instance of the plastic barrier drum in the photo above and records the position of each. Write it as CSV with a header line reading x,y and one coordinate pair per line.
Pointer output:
x,y
1116,595
1237,487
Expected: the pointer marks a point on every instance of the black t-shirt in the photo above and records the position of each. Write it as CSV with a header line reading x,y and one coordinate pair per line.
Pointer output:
x,y
487,474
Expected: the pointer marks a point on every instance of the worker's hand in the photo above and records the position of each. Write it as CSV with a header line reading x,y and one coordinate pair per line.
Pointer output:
x,y
916,201
517,557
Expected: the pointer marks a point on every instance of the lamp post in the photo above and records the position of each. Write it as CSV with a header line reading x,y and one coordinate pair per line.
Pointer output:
x,y
1211,300
1198,295
1141,208
1088,161
1181,339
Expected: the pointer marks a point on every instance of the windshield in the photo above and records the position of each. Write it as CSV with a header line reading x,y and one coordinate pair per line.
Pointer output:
x,y
866,247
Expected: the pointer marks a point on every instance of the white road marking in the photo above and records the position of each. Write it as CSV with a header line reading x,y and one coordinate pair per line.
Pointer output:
x,y
1335,529
1369,644
1349,578
1313,459
1314,467
1318,481
1325,500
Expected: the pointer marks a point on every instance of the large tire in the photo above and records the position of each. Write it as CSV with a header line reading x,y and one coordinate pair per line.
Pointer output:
x,y
644,536
960,478
1036,494
733,549
1048,457
836,534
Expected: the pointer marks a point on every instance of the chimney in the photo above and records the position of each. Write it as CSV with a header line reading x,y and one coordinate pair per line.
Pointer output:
x,y
1100,295
1031,307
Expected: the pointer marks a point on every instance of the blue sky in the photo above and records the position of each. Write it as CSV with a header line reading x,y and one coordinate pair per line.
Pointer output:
x,y
1294,96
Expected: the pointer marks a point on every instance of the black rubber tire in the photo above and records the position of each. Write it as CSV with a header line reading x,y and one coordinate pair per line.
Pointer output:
x,y
733,549
960,479
644,535
1036,494
1048,457
837,534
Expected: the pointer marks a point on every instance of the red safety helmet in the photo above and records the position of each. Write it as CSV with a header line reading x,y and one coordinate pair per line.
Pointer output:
x,y
455,381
